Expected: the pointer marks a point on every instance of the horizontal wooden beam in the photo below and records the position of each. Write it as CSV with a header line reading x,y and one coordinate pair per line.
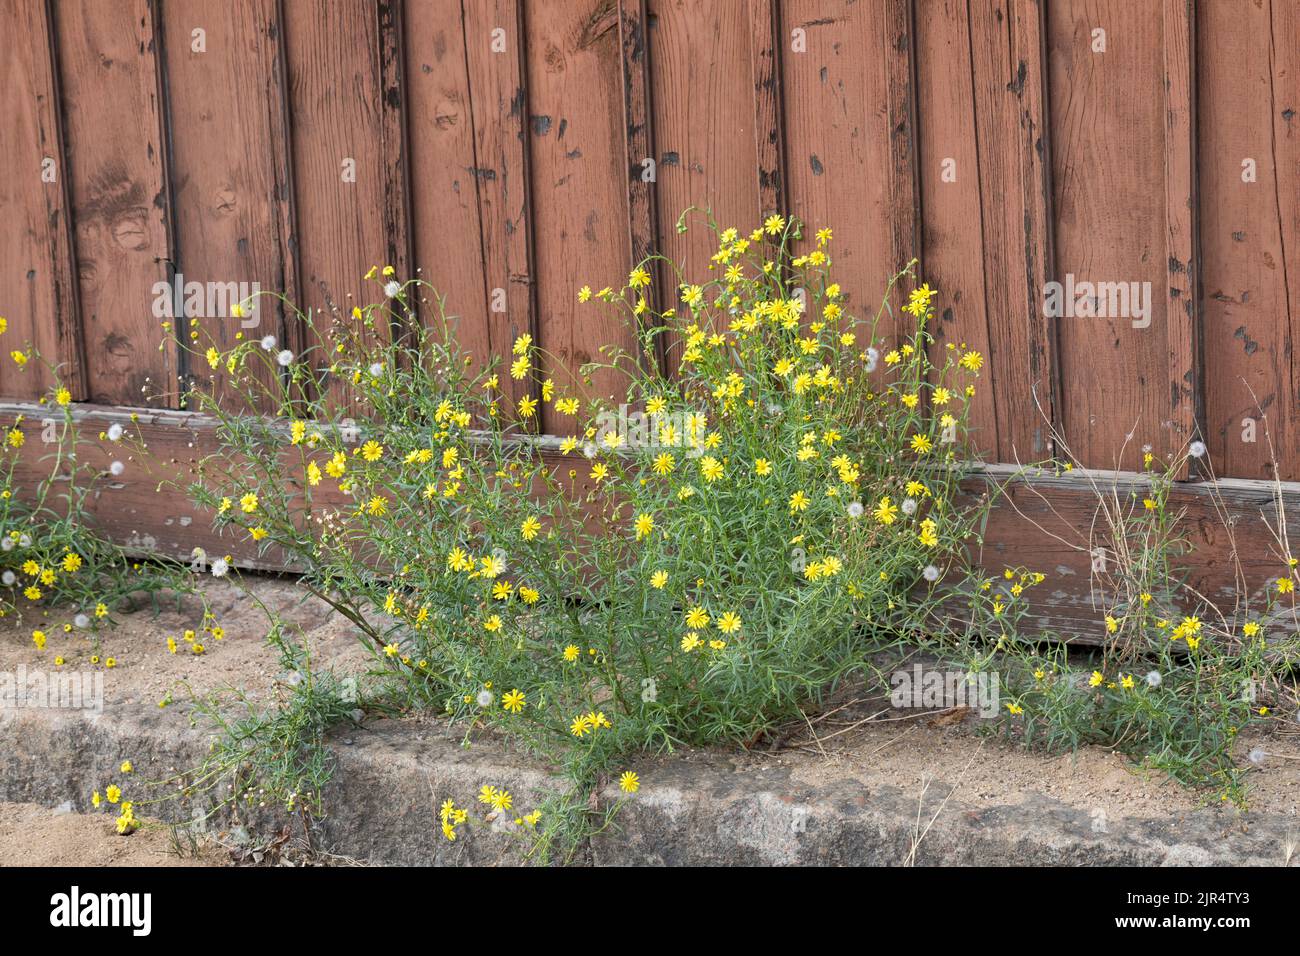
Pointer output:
x,y
1235,529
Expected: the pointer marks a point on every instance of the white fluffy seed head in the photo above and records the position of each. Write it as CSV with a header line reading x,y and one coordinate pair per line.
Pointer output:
x,y
909,506
931,573
115,432
116,469
1257,756
268,342
1154,679
1196,449
220,567
377,369
392,289
484,698
856,510
81,621
8,578
285,358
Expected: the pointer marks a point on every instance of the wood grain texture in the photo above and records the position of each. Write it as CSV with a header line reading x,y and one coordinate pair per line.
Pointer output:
x,y
445,203
38,287
230,163
1122,155
1250,235
343,162
851,140
496,45
981,90
703,88
578,152
113,119
638,125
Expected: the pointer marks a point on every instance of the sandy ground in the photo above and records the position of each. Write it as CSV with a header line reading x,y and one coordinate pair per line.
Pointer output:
x,y
38,836
904,749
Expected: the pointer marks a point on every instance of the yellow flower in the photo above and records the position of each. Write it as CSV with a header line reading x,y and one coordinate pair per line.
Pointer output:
x,y
697,618
372,451
659,579
711,468
1096,679
571,653
530,528
798,502
921,444
71,562
580,726
513,701
644,525
762,466
1285,586
248,503
972,361
493,623
629,782
664,464
729,623
886,512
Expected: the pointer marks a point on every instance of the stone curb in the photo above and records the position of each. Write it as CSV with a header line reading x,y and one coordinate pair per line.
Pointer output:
x,y
693,810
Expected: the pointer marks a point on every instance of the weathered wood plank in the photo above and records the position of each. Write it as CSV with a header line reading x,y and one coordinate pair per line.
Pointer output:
x,y
984,190
448,240
703,87
638,125
1249,204
579,176
38,287
1121,179
113,116
344,146
230,163
1044,522
850,139
495,51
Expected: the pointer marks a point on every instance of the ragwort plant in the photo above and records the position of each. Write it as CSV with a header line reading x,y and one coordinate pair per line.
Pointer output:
x,y
1177,680
783,505
58,572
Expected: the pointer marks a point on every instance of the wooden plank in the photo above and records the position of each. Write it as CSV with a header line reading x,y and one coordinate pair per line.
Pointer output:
x,y
850,140
984,194
38,288
703,85
113,115
951,180
346,157
445,208
1250,236
638,125
769,119
1043,522
1122,156
578,152
230,163
495,51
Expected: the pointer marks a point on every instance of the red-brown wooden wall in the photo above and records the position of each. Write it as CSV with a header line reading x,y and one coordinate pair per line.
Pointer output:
x,y
500,144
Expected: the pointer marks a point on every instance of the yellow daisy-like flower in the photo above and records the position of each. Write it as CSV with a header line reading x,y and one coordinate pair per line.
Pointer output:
x,y
729,623
659,579
799,502
513,701
629,782
644,525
